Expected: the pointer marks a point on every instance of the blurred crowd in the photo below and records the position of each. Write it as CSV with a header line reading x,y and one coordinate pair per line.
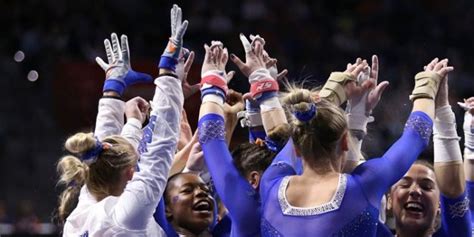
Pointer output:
x,y
309,38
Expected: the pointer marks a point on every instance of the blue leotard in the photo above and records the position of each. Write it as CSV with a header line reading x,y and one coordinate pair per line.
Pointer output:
x,y
353,210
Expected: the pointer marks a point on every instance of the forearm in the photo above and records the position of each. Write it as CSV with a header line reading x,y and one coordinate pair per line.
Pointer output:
x,y
447,154
354,155
273,117
426,106
230,123
221,167
132,131
109,119
180,159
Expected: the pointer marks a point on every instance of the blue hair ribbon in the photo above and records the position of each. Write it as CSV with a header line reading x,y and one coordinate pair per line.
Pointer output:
x,y
305,116
91,155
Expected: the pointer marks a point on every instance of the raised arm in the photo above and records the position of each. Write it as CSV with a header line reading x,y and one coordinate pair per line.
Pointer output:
x,y
263,87
240,198
359,108
118,76
448,168
377,175
136,111
141,195
447,152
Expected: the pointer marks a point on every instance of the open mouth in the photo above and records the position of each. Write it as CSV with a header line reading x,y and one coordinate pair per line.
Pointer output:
x,y
414,207
203,206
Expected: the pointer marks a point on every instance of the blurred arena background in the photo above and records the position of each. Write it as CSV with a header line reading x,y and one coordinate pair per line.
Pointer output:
x,y
51,84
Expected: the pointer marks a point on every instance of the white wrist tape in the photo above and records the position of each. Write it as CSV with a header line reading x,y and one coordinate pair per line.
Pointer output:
x,y
270,104
259,74
213,98
446,150
445,123
358,121
445,139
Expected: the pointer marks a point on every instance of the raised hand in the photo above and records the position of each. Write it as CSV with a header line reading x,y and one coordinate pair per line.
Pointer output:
x,y
427,83
365,100
254,58
343,85
118,71
170,56
137,108
195,163
182,70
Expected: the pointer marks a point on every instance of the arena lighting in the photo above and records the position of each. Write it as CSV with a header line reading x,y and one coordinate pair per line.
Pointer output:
x,y
33,76
19,56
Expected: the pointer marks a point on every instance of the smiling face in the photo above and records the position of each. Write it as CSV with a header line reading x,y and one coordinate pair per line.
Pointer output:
x,y
415,200
189,204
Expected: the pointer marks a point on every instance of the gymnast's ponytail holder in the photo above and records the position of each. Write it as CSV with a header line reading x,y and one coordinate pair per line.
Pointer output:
x,y
91,156
305,116
268,143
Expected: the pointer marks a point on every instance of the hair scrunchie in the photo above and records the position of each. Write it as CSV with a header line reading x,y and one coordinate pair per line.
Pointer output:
x,y
91,155
305,116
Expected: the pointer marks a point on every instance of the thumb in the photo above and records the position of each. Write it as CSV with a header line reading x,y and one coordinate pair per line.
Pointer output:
x,y
282,74
101,63
230,75
236,60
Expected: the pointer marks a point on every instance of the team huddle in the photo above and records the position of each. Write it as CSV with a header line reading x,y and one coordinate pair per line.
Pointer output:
x,y
301,172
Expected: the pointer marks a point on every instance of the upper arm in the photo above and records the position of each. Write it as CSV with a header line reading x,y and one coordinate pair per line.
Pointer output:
x,y
240,198
109,119
377,175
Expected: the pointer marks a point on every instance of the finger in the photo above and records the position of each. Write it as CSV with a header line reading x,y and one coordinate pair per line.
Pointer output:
x,y
116,47
430,65
179,15
282,74
358,61
245,43
367,84
230,75
256,39
195,88
258,49
101,63
470,100
444,71
181,30
189,62
349,65
125,48
270,62
108,51
374,73
208,55
378,91
173,20
358,69
439,65
236,60
225,56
